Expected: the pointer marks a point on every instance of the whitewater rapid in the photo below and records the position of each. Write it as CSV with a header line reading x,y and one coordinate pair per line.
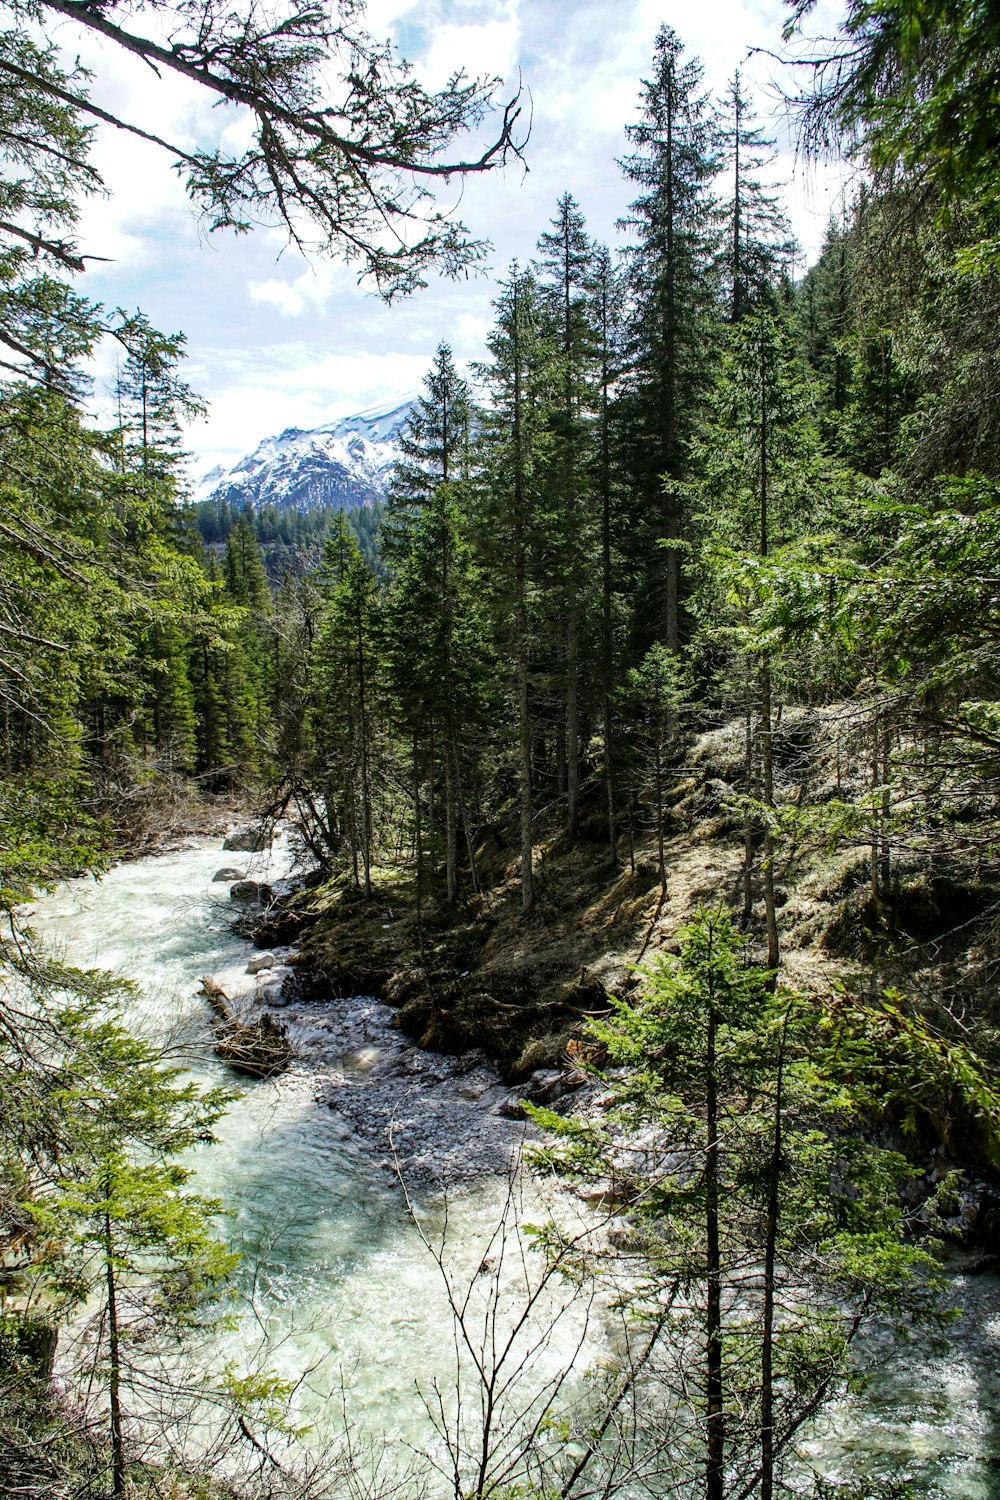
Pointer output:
x,y
340,1293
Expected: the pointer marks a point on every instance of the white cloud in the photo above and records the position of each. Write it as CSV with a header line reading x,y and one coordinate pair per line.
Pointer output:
x,y
477,47
300,389
238,298
310,289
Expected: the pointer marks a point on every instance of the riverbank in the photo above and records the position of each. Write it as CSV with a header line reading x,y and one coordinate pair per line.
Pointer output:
x,y
484,977
334,1268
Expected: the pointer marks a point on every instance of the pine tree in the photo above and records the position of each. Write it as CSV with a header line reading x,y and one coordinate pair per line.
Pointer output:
x,y
654,695
152,400
434,441
522,378
607,291
768,1241
119,1231
671,327
765,480
346,699
757,241
826,305
563,272
431,614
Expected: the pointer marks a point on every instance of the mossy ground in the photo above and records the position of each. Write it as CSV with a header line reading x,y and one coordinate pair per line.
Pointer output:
x,y
521,986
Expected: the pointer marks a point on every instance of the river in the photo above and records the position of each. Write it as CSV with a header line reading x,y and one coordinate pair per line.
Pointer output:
x,y
343,1286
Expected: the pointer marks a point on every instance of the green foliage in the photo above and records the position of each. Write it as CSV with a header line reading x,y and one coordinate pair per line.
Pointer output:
x,y
915,87
727,1143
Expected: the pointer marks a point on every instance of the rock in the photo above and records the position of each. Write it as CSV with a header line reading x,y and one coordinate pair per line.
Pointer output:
x,y
247,841
280,926
545,1086
251,890
260,961
229,872
511,1108
307,984
622,1235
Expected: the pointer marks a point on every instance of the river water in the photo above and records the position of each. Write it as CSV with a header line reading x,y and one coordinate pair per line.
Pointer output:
x,y
340,1281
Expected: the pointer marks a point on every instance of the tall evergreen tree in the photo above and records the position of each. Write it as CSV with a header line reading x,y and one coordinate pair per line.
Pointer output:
x,y
671,332
563,271
757,245
346,700
606,289
153,401
766,481
432,610
522,378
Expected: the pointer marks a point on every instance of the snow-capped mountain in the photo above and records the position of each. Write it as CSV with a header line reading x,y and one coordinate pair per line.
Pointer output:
x,y
345,463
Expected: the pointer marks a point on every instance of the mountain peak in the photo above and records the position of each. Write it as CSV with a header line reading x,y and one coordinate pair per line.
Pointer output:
x,y
346,463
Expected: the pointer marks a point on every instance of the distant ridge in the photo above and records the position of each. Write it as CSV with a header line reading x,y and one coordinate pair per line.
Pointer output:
x,y
346,463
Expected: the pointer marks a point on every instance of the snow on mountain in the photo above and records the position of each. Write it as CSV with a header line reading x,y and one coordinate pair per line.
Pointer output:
x,y
345,463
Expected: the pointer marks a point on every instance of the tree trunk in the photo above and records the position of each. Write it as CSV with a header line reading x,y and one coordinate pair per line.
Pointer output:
x,y
521,632
748,793
671,517
770,1259
463,811
418,831
118,1467
767,762
715,1431
572,722
767,797
658,772
606,580
450,831
366,801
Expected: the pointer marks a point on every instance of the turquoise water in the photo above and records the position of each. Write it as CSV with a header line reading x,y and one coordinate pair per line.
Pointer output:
x,y
340,1292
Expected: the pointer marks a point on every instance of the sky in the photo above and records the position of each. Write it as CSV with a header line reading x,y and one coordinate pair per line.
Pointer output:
x,y
274,342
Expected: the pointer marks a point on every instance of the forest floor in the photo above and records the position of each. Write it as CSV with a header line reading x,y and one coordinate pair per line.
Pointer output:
x,y
487,984
521,986
161,813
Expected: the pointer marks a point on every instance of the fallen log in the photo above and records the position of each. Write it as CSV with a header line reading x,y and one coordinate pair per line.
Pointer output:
x,y
260,1048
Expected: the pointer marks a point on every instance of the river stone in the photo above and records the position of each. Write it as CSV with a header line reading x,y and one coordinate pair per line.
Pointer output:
x,y
229,872
544,1086
511,1108
247,841
260,961
250,890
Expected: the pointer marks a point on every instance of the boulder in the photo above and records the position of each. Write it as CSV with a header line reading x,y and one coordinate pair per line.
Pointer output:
x,y
511,1108
251,890
229,872
247,840
545,1086
261,961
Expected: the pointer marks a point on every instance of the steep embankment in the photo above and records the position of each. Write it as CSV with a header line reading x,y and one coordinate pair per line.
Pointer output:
x,y
521,987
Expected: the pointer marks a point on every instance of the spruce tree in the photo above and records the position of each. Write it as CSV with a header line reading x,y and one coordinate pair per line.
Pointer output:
x,y
673,311
757,245
431,611
607,291
563,270
522,379
346,695
765,481
769,1239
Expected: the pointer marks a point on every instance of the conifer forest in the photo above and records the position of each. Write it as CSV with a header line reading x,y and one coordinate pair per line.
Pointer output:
x,y
581,1078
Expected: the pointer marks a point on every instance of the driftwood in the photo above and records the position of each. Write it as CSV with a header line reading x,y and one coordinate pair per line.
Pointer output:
x,y
260,1048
